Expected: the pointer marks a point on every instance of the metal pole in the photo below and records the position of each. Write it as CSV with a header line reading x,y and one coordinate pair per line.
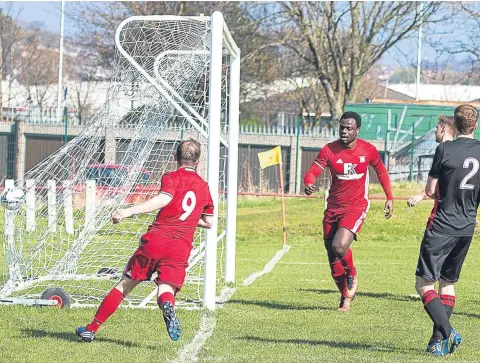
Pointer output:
x,y
9,113
284,229
297,154
60,66
412,155
420,31
233,158
215,84
65,115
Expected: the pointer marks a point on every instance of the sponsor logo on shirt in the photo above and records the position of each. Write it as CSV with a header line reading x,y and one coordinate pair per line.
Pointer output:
x,y
362,159
349,172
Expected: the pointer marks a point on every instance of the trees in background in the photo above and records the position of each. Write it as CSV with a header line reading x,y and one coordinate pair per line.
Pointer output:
x,y
327,50
338,42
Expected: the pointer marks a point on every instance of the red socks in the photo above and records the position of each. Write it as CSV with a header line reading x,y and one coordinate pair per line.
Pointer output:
x,y
166,296
348,263
108,306
448,300
339,276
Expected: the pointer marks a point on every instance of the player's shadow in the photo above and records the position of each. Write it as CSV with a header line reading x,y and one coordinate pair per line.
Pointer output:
x,y
381,295
278,306
70,337
332,344
467,315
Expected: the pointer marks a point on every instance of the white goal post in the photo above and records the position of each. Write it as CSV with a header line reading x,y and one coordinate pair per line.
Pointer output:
x,y
173,78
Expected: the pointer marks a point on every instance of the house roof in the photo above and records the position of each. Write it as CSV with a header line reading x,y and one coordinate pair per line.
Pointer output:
x,y
439,92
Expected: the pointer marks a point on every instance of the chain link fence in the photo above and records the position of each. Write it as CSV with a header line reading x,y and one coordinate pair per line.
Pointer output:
x,y
404,139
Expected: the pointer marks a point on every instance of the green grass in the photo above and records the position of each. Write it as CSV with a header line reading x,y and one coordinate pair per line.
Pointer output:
x,y
288,315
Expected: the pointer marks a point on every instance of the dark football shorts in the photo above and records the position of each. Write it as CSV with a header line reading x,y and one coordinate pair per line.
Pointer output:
x,y
442,256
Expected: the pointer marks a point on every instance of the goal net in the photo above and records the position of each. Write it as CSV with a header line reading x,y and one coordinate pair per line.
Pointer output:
x,y
174,78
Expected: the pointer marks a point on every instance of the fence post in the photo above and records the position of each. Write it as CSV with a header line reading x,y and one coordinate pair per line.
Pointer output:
x,y
297,154
411,164
20,150
386,141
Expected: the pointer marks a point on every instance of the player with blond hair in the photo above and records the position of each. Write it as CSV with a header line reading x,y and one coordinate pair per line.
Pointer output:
x,y
184,203
454,181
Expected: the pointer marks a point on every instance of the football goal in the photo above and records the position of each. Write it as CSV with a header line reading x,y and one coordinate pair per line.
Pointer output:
x,y
174,78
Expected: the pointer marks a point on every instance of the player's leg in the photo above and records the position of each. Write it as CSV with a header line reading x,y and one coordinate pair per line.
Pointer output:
x,y
108,306
340,246
450,273
448,298
166,301
433,253
349,226
138,269
171,278
337,271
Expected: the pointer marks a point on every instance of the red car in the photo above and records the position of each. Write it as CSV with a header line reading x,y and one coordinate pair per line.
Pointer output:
x,y
109,180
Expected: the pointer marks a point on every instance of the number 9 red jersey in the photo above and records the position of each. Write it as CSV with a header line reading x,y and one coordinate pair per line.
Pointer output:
x,y
190,199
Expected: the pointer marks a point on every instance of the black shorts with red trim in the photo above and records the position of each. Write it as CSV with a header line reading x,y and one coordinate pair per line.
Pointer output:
x,y
442,256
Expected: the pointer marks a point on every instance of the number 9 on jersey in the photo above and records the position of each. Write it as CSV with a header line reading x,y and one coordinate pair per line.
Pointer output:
x,y
188,204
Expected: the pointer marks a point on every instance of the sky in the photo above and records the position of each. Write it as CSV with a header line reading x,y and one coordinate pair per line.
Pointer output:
x,y
48,13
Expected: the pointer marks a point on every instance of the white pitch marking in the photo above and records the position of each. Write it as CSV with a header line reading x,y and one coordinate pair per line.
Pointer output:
x,y
225,295
357,263
268,267
191,351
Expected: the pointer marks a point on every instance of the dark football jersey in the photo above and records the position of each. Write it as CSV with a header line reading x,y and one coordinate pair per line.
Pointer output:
x,y
456,166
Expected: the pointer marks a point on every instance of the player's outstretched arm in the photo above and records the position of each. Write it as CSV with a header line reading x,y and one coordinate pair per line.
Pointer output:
x,y
415,199
430,188
385,182
318,165
205,221
155,203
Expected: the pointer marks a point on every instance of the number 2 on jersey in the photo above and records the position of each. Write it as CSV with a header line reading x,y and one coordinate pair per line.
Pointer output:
x,y
188,204
467,162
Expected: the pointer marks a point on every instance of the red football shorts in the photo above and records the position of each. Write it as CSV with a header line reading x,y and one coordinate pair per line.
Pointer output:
x,y
156,253
350,218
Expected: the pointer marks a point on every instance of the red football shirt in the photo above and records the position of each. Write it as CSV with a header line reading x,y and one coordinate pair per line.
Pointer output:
x,y
190,199
349,170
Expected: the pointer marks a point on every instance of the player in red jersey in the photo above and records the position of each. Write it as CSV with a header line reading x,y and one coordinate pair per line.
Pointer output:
x,y
347,205
185,203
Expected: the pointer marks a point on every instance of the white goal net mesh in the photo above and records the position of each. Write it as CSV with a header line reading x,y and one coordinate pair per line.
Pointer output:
x,y
159,95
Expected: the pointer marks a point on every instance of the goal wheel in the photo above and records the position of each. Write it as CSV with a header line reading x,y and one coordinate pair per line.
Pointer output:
x,y
57,294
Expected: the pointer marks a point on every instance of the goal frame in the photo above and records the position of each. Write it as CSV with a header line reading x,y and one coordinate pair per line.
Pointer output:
x,y
211,130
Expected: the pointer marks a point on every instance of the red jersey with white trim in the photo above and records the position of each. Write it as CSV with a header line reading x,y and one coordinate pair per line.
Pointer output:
x,y
190,199
349,172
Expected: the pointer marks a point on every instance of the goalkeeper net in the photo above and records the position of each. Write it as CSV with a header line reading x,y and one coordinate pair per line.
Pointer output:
x,y
174,78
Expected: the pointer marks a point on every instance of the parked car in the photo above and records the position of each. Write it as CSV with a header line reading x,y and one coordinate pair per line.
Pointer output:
x,y
110,180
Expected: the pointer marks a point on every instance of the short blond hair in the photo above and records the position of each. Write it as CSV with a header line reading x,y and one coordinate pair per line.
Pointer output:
x,y
465,119
447,121
188,152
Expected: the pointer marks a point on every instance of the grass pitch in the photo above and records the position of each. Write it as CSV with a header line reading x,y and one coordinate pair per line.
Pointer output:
x,y
288,315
